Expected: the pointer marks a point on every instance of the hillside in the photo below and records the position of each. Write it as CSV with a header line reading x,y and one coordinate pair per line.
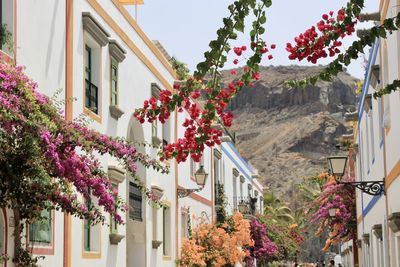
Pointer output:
x,y
288,133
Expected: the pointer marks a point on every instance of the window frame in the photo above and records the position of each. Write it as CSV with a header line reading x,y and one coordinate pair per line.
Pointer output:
x,y
92,102
43,248
114,79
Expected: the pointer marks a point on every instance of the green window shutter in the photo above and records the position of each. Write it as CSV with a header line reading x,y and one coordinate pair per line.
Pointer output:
x,y
114,82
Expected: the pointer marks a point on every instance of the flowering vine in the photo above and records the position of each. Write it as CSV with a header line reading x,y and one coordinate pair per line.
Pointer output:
x,y
312,45
199,127
217,244
341,227
47,162
344,59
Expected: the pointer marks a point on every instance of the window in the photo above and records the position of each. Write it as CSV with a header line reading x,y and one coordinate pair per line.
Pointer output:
x,y
235,191
367,143
184,225
371,129
2,234
241,187
91,90
40,231
193,167
87,226
135,202
166,232
154,128
217,157
114,82
380,114
113,221
7,24
155,223
166,132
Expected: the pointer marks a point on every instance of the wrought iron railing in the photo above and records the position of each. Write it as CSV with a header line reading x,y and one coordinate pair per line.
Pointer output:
x,y
92,96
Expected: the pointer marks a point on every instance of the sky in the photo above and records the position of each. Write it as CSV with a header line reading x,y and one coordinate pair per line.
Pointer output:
x,y
185,27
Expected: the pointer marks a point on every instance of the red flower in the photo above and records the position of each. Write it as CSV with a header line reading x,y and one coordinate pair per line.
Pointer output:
x,y
270,57
236,61
273,46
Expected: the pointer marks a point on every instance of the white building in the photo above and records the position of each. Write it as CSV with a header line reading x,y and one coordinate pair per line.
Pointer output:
x,y
96,52
377,135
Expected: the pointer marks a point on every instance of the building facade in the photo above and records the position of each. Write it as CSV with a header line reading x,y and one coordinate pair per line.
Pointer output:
x,y
377,141
105,66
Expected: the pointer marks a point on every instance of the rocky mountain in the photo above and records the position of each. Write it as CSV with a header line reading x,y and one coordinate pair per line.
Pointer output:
x,y
288,133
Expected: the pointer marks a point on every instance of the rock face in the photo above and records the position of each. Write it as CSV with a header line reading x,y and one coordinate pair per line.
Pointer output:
x,y
288,133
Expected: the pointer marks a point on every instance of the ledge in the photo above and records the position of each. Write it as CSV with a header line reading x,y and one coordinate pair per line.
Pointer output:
x,y
116,51
358,243
155,244
235,172
377,229
115,238
394,221
155,141
116,174
92,26
217,153
365,238
116,112
157,192
241,178
351,116
155,90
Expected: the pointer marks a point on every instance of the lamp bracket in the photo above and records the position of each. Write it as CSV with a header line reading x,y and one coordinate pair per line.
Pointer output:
x,y
183,192
373,188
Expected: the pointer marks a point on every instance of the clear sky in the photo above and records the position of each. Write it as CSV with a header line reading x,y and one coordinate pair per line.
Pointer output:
x,y
185,27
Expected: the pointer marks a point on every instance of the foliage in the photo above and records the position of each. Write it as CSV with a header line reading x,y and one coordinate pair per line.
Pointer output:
x,y
217,245
313,46
278,211
367,39
220,203
342,227
180,68
6,38
359,86
47,162
198,128
263,248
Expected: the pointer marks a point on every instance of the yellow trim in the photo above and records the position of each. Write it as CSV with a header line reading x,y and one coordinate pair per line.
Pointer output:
x,y
393,175
145,39
119,31
359,219
384,11
69,240
166,258
90,254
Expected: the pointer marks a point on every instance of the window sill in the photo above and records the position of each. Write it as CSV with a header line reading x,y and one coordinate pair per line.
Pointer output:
x,y
156,244
6,57
166,258
115,238
116,112
91,114
156,141
91,254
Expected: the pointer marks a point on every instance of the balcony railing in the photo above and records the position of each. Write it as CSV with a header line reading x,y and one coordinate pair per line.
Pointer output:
x,y
245,205
91,96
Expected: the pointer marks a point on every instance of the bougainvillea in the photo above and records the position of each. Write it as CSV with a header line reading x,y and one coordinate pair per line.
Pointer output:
x,y
217,245
263,248
342,226
312,45
47,162
199,127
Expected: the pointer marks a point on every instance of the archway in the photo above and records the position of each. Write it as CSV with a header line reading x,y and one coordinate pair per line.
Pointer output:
x,y
136,221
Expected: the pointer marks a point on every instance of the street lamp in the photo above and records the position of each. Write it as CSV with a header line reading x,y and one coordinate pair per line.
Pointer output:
x,y
337,165
200,176
332,212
